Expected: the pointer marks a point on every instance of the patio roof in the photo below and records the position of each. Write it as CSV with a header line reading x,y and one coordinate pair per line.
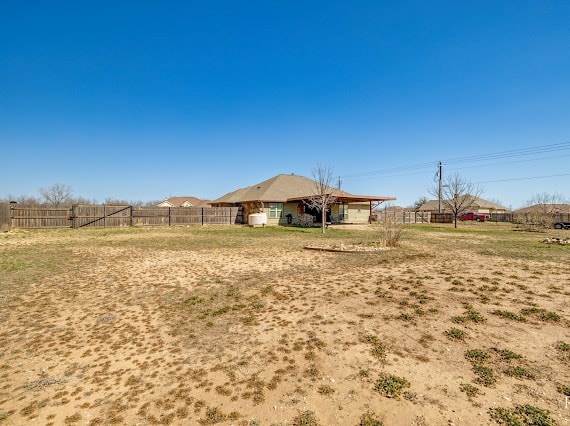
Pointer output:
x,y
350,198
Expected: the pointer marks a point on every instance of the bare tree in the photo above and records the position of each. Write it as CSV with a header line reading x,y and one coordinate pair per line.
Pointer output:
x,y
322,197
547,203
56,194
418,203
458,195
545,206
22,200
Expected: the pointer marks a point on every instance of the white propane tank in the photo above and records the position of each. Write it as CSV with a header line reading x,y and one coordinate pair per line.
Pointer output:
x,y
257,219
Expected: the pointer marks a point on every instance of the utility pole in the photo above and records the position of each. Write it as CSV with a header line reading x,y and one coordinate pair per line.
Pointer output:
x,y
439,188
339,182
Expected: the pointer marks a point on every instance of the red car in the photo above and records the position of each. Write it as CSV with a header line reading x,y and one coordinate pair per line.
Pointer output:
x,y
479,217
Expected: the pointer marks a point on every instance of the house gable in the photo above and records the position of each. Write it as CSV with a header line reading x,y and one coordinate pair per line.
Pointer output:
x,y
184,202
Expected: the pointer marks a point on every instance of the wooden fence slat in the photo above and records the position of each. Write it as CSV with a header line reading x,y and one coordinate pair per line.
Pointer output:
x,y
5,217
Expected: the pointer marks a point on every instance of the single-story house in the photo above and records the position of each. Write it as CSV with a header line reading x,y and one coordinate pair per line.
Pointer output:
x,y
479,205
184,202
545,208
283,198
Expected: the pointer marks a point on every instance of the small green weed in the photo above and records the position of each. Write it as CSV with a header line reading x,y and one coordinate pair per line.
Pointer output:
x,y
506,354
485,375
470,390
519,372
504,416
542,314
391,386
378,349
476,355
470,315
213,416
325,390
522,415
564,349
564,389
370,419
306,418
509,315
456,334
550,317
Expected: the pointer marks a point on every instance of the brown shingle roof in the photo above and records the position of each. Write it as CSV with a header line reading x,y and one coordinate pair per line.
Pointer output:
x,y
549,208
281,188
433,205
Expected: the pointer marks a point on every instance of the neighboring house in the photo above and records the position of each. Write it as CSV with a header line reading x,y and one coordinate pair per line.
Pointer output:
x,y
282,199
479,205
184,202
545,208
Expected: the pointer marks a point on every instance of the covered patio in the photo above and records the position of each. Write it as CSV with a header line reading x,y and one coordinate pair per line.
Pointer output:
x,y
346,209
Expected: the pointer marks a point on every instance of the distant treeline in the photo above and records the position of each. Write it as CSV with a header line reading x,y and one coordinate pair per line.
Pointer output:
x,y
31,201
60,195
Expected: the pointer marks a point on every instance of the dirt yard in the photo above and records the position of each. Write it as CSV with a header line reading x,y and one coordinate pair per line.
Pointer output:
x,y
241,326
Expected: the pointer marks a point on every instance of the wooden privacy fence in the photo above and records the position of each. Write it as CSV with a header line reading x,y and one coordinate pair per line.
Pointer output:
x,y
40,217
402,216
97,216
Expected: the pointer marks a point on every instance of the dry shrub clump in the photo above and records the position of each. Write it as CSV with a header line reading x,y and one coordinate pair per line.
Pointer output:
x,y
391,232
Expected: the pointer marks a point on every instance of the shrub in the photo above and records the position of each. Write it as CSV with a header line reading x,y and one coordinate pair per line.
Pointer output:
x,y
391,232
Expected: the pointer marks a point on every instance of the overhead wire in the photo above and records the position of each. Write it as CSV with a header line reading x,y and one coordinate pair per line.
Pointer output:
x,y
524,178
397,171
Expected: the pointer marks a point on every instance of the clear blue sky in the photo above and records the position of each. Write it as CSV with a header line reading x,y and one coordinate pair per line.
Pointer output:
x,y
144,100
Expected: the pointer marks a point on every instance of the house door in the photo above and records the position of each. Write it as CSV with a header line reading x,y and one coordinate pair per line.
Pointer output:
x,y
342,213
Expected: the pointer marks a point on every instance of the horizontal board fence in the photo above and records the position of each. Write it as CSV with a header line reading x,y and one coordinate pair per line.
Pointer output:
x,y
104,216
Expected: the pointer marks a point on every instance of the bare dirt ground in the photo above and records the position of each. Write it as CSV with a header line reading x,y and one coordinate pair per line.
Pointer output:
x,y
241,326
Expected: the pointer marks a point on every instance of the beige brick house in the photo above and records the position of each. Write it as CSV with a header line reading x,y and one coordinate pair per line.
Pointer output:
x,y
282,198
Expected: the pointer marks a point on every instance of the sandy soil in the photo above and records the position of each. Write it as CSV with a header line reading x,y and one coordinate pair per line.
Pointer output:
x,y
143,334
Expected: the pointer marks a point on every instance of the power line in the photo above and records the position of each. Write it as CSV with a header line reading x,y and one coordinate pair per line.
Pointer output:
x,y
524,178
466,159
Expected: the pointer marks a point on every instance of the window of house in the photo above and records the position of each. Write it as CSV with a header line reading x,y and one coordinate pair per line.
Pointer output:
x,y
276,210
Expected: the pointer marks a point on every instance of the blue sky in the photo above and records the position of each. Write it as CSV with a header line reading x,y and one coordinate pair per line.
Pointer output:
x,y
145,100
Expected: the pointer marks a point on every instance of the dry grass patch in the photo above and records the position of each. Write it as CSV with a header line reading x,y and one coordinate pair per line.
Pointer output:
x,y
220,325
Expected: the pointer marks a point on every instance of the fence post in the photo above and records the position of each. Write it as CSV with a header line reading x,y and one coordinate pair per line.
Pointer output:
x,y
202,216
5,217
104,216
169,216
131,216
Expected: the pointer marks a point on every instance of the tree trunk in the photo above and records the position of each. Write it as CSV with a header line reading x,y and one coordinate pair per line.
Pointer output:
x,y
323,219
